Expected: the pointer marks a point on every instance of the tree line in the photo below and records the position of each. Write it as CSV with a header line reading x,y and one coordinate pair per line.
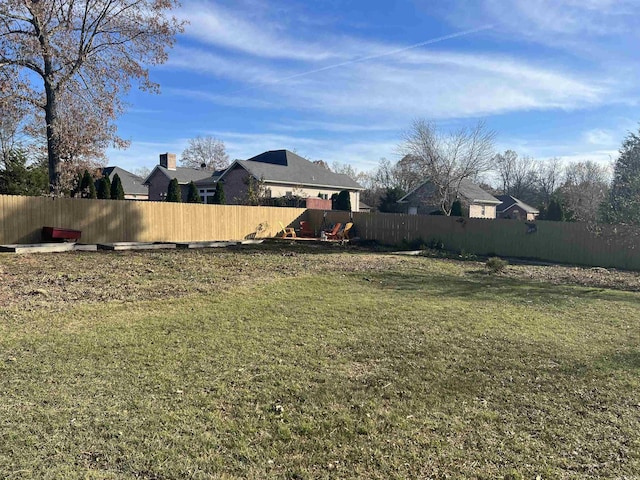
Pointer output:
x,y
582,191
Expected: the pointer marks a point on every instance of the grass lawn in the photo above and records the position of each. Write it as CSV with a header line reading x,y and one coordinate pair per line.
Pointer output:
x,y
294,363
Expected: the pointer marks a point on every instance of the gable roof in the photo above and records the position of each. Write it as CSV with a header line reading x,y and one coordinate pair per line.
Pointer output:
x,y
184,175
210,180
509,202
283,166
132,184
469,190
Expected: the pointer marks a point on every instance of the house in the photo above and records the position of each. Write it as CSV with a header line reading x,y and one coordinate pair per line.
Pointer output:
x,y
475,201
514,209
133,185
159,178
284,174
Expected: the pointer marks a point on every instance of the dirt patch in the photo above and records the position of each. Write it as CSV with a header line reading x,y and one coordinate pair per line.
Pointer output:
x,y
55,281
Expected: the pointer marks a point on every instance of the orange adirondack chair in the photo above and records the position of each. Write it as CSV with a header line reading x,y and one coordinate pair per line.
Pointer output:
x,y
306,230
333,234
287,231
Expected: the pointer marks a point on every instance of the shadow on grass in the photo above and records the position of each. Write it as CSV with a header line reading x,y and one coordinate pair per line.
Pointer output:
x,y
480,285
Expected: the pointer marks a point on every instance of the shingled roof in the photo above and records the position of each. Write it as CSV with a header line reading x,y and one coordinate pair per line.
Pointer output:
x,y
283,166
469,190
184,175
132,184
508,202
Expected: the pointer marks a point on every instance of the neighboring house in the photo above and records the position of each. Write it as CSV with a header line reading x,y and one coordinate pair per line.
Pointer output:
x,y
285,174
364,207
207,186
514,209
133,185
475,201
159,178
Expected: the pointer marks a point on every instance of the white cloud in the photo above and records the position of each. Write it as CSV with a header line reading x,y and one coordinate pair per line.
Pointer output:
x,y
214,25
599,136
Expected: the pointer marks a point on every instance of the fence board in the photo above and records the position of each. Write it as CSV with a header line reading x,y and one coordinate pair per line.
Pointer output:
x,y
572,243
106,221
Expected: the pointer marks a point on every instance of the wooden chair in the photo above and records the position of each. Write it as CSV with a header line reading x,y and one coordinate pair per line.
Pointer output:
x,y
344,234
287,231
333,233
306,230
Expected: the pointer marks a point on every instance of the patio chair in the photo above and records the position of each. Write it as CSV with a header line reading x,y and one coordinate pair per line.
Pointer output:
x,y
306,230
333,233
287,231
344,233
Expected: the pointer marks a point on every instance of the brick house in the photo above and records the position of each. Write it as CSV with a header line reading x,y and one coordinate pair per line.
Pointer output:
x,y
159,178
285,174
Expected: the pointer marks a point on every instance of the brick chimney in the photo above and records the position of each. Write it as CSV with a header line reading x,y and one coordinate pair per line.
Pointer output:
x,y
168,161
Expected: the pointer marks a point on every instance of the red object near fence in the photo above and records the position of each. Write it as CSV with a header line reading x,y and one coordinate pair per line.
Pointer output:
x,y
53,234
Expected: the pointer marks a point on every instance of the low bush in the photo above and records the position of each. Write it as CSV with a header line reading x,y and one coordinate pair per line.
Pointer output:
x,y
496,264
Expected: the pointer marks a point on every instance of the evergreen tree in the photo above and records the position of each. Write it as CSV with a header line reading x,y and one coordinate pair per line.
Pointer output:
x,y
555,211
87,186
18,178
193,196
104,188
624,199
456,209
218,196
343,201
173,192
389,200
117,192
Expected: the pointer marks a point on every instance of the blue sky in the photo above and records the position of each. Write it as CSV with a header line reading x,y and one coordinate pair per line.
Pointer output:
x,y
341,80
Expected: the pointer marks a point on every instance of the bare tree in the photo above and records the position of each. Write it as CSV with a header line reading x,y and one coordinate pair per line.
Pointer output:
x,y
72,60
448,159
549,177
205,151
585,188
518,174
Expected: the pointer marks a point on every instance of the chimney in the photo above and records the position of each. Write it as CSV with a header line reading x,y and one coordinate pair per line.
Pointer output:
x,y
168,161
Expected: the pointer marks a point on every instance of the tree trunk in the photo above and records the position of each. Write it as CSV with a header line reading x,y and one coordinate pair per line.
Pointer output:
x,y
53,151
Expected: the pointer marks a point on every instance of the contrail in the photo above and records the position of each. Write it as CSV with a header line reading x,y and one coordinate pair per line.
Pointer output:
x,y
373,57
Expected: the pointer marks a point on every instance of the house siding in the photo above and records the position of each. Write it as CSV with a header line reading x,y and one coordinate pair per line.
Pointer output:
x,y
482,211
517,213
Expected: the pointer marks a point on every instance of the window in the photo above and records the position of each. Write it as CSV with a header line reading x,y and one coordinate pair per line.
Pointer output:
x,y
288,194
482,211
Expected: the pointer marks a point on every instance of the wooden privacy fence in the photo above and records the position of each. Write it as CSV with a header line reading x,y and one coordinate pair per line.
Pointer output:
x,y
573,243
107,221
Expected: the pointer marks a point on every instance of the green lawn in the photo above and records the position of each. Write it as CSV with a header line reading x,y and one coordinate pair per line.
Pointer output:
x,y
276,364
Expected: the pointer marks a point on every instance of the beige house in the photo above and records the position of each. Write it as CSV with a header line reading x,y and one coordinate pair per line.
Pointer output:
x,y
476,203
285,174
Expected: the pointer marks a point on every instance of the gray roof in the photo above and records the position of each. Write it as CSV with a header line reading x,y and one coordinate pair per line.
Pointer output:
x,y
469,190
184,175
132,184
508,201
210,180
283,166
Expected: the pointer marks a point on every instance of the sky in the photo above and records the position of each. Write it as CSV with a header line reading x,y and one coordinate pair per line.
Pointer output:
x,y
343,80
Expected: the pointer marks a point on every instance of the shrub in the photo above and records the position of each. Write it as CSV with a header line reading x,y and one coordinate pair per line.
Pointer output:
x,y
456,209
193,196
104,188
117,192
218,196
173,192
87,186
496,264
